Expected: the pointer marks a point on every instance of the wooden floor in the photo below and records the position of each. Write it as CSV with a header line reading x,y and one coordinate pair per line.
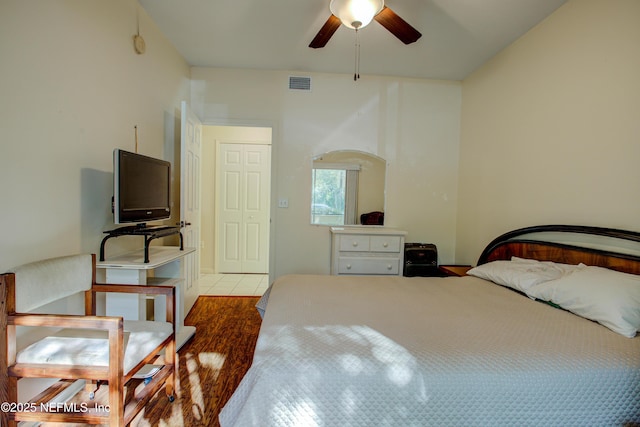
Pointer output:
x,y
211,364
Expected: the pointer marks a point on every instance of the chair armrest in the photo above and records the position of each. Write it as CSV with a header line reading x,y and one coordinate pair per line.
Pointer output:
x,y
134,289
65,321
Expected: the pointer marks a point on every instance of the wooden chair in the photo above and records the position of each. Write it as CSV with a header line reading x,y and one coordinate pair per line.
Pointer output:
x,y
97,349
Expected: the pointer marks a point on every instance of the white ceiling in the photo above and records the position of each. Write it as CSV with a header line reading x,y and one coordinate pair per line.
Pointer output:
x,y
457,35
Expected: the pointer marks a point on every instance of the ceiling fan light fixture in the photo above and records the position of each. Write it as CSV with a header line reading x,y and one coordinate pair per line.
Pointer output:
x,y
356,14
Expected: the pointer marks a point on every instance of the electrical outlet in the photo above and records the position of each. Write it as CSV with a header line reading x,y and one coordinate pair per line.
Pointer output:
x,y
283,203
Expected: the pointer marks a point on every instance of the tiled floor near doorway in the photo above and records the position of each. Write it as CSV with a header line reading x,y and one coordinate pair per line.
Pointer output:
x,y
234,284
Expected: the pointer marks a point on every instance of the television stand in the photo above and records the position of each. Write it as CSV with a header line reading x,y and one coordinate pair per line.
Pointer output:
x,y
149,233
167,268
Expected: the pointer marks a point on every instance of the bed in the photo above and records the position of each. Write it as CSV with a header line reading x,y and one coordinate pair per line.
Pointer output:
x,y
509,345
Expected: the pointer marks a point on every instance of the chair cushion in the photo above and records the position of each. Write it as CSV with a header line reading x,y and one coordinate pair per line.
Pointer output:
x,y
91,347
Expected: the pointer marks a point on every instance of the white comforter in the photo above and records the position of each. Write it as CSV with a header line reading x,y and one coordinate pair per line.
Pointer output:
x,y
375,351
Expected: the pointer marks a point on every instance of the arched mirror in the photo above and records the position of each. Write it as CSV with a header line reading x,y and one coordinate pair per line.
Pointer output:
x,y
348,188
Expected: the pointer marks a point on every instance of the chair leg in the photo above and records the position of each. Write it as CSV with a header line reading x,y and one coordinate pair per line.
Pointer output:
x,y
12,385
7,384
169,390
116,404
170,360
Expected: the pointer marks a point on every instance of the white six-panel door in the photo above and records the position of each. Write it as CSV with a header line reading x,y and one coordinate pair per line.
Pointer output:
x,y
243,180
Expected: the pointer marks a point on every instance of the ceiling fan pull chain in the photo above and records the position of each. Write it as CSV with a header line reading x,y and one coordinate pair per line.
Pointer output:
x,y
356,74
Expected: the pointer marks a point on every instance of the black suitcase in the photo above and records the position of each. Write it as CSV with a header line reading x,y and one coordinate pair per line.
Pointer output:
x,y
421,259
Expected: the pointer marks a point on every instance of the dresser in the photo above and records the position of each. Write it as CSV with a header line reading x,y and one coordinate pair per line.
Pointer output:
x,y
367,251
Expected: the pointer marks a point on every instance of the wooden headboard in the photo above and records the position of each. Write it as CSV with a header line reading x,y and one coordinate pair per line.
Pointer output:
x,y
569,244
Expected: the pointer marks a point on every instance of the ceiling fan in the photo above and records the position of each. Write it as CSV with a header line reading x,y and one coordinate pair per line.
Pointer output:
x,y
356,14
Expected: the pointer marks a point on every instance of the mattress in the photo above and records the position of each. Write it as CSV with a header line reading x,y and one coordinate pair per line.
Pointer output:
x,y
426,351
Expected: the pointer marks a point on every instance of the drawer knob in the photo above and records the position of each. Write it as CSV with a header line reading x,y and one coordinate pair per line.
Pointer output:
x,y
389,267
348,266
385,244
355,244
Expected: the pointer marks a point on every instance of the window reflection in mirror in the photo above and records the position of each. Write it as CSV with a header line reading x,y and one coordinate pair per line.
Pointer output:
x,y
348,188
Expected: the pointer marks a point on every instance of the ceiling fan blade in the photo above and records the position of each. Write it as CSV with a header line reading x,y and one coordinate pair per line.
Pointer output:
x,y
325,33
397,26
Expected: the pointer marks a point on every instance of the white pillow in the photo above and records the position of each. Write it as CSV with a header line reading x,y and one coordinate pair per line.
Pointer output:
x,y
608,297
520,274
566,268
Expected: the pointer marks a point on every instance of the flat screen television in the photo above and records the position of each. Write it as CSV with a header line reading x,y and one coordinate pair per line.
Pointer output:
x,y
141,188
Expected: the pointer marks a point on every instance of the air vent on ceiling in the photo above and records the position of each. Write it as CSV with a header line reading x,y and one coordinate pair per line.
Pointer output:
x,y
300,83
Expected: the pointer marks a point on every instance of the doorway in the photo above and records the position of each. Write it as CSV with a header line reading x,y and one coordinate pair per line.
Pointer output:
x,y
236,194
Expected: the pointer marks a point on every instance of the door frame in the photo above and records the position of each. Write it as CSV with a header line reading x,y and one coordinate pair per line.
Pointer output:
x,y
274,137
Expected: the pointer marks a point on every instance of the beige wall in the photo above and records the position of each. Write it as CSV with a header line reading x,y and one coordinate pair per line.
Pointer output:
x,y
548,130
551,128
413,124
72,90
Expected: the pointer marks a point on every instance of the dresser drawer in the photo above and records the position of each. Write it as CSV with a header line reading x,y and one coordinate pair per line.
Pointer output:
x,y
354,243
363,251
385,244
373,265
